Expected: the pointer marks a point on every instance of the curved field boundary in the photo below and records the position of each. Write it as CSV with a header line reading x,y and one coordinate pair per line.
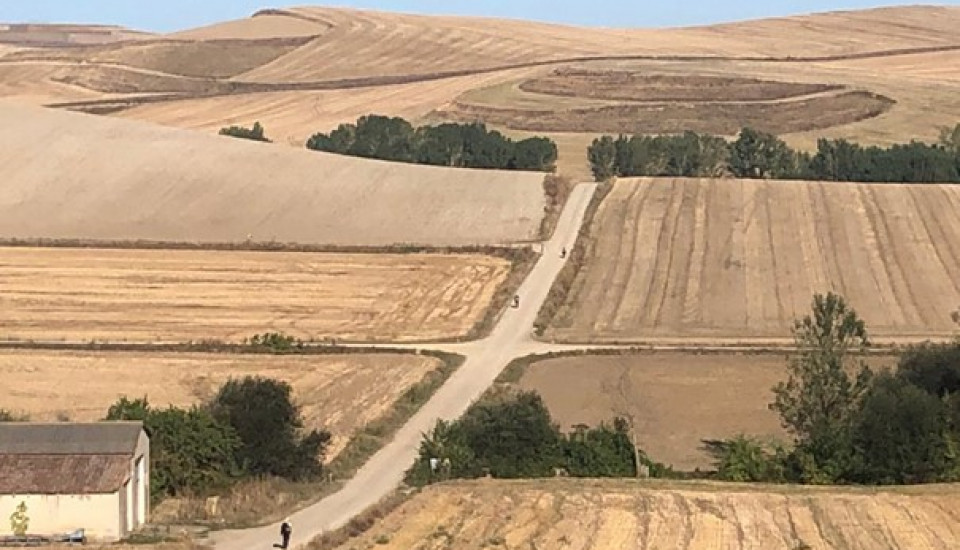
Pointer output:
x,y
240,87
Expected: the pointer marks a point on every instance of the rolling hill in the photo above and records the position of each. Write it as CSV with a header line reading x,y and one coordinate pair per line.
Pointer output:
x,y
75,176
303,70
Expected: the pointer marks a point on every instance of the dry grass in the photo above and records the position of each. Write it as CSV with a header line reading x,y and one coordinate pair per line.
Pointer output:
x,y
608,515
180,295
109,179
341,393
678,399
728,260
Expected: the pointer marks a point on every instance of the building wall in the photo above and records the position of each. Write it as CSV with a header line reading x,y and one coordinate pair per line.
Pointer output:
x,y
57,514
140,471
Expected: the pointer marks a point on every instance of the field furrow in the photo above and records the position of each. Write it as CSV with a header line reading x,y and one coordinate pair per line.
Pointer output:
x,y
732,260
166,295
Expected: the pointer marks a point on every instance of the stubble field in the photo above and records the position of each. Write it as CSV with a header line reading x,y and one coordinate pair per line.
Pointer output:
x,y
716,261
176,296
341,393
612,515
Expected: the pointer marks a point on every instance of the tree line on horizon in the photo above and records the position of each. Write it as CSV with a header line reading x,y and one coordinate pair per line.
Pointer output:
x,y
761,155
456,145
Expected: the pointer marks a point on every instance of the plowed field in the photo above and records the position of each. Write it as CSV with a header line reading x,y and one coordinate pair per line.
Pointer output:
x,y
677,399
615,515
162,295
338,392
728,260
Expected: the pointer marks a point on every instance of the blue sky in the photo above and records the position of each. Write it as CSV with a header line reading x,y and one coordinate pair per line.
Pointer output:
x,y
169,15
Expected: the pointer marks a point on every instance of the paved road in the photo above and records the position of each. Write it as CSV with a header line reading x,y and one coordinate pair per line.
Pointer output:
x,y
485,360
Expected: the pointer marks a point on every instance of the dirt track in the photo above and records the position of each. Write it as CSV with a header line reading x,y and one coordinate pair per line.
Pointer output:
x,y
701,260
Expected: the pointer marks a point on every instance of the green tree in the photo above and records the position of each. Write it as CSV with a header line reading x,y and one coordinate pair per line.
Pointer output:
x,y
747,459
129,409
190,451
603,155
255,134
901,435
825,383
513,436
604,451
269,425
759,155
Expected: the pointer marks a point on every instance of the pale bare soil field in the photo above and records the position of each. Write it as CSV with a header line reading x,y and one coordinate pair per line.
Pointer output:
x,y
677,399
340,393
730,260
613,515
47,35
49,294
292,117
101,178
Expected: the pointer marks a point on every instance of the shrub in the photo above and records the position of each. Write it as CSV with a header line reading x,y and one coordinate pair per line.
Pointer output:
x,y
268,424
254,134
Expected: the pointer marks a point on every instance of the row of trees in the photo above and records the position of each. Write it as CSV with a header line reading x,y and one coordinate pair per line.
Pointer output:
x,y
251,428
512,435
760,155
458,145
850,424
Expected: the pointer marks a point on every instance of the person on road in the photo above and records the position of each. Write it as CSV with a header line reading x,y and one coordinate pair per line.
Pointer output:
x,y
563,253
285,531
516,300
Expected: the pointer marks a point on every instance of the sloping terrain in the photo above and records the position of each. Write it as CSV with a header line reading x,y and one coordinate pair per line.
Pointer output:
x,y
730,260
614,515
53,35
303,70
73,176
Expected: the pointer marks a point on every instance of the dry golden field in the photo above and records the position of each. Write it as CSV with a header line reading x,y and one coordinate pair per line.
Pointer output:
x,y
341,393
677,399
162,295
615,515
108,179
730,260
428,68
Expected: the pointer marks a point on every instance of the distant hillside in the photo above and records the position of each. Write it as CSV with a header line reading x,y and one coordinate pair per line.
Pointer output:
x,y
74,176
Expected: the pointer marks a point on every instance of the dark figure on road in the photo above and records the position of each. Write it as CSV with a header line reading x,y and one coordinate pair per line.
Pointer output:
x,y
285,531
516,300
563,253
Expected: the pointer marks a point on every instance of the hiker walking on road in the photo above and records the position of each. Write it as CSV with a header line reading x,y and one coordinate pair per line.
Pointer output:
x,y
563,253
285,531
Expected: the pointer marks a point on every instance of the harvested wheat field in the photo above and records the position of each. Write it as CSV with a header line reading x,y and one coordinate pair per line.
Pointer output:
x,y
175,296
738,261
677,399
338,392
108,179
614,515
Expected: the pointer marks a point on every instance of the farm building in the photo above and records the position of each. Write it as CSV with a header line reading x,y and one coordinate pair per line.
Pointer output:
x,y
93,477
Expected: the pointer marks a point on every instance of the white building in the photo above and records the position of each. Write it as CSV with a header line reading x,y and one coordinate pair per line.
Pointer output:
x,y
93,477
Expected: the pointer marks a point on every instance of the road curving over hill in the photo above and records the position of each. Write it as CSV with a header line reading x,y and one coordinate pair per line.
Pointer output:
x,y
485,360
